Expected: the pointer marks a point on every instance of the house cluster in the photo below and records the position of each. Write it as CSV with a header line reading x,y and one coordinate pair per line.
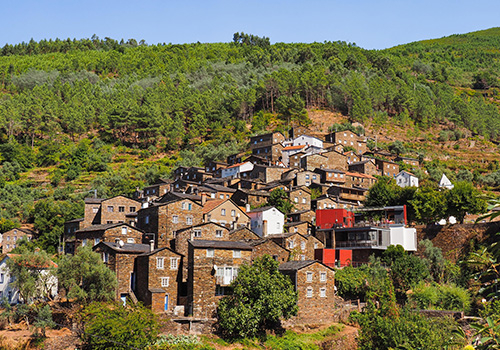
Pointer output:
x,y
178,244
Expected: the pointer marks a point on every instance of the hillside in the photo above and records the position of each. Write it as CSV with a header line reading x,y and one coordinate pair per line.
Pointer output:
x,y
107,116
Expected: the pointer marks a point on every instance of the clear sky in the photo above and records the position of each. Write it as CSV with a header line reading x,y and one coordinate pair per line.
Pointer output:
x,y
371,24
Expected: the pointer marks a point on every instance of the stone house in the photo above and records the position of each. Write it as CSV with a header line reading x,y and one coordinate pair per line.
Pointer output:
x,y
387,168
267,173
414,163
156,190
306,178
95,234
359,180
266,140
348,138
297,244
313,161
11,238
366,166
235,158
120,258
225,212
301,198
336,160
253,198
164,219
294,161
159,281
352,157
331,176
215,168
212,266
289,151
263,247
243,234
307,215
350,194
329,202
70,227
302,227
271,154
315,284
219,191
266,221
118,209
208,231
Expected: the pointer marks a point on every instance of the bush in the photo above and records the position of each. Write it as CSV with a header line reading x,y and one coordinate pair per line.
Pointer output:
x,y
424,296
112,326
351,281
452,297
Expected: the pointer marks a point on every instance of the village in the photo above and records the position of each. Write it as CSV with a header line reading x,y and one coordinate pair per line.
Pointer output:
x,y
177,245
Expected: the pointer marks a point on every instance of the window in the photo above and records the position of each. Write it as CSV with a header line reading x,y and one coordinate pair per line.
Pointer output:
x,y
1,277
184,205
146,219
221,196
165,281
322,292
309,293
307,176
322,276
304,201
296,199
218,233
291,244
309,277
109,222
173,263
110,208
316,245
175,219
210,252
236,253
121,209
130,240
190,206
223,212
95,209
303,257
105,257
8,238
96,241
303,245
124,230
189,220
233,213
132,209
159,263
197,233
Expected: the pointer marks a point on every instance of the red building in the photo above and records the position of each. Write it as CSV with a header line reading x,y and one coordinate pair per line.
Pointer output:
x,y
334,218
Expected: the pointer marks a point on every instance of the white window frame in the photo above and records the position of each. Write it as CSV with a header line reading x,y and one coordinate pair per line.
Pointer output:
x,y
165,281
174,263
210,252
197,233
309,292
309,276
237,253
175,219
160,263
322,276
218,234
223,212
322,292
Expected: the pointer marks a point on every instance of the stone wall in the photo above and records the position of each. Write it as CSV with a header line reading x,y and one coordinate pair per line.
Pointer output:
x,y
119,209
272,249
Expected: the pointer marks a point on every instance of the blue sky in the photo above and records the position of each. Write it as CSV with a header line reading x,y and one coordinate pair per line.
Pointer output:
x,y
371,24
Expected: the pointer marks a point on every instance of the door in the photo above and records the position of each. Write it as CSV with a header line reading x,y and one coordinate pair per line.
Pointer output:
x,y
166,302
228,274
123,298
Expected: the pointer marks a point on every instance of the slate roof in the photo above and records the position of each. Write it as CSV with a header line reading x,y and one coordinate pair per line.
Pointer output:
x,y
126,248
295,265
220,244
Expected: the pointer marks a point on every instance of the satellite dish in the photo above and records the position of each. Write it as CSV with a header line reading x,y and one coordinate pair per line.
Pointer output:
x,y
121,243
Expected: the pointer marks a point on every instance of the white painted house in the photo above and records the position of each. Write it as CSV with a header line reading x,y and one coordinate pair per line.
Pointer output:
x,y
406,179
47,282
235,170
306,140
266,221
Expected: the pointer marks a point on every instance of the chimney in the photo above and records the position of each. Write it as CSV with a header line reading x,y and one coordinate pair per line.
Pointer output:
x,y
151,245
264,228
203,198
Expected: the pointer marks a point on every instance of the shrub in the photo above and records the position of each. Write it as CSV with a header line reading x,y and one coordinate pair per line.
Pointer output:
x,y
424,296
452,297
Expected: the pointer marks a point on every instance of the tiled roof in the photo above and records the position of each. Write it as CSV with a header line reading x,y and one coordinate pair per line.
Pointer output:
x,y
290,148
360,175
212,204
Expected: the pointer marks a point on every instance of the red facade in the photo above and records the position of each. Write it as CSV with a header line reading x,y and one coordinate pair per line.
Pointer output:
x,y
334,218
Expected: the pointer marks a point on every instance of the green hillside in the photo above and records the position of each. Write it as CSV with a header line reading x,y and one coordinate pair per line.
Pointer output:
x,y
98,114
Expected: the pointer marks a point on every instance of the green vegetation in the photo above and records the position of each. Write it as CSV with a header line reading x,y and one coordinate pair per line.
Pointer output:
x,y
262,297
